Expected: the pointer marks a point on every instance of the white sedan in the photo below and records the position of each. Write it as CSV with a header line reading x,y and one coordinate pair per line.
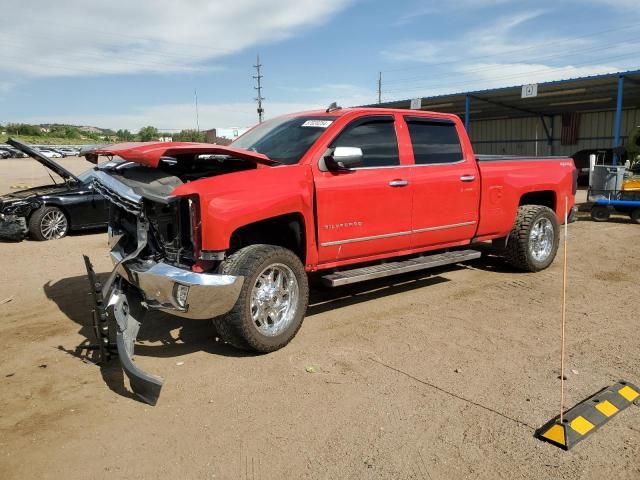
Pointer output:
x,y
50,153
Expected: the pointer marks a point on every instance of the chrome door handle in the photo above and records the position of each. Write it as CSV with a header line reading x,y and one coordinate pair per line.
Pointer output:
x,y
398,183
467,178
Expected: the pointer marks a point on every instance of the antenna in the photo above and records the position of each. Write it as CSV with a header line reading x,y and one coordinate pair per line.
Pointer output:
x,y
258,87
379,87
195,93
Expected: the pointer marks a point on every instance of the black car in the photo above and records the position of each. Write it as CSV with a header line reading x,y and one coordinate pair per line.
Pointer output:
x,y
50,211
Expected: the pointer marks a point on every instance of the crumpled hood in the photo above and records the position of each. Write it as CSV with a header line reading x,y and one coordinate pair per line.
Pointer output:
x,y
150,153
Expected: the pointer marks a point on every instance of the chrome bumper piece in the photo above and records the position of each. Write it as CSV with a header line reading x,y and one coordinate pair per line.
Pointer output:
x,y
179,291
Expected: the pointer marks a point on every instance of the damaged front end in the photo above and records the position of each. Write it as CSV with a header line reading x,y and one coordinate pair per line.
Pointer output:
x,y
12,227
152,240
13,218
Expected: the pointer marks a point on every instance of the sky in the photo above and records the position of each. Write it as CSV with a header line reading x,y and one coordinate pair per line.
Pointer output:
x,y
131,63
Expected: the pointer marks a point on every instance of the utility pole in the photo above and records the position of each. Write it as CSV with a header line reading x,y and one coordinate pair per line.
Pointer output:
x,y
379,87
195,93
258,87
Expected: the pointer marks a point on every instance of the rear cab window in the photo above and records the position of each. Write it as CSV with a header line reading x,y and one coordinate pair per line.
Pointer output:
x,y
376,136
434,141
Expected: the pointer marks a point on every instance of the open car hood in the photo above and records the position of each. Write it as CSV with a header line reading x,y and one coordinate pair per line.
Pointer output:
x,y
150,153
50,163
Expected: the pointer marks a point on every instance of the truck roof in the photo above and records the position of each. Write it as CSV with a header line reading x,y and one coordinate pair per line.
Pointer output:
x,y
373,110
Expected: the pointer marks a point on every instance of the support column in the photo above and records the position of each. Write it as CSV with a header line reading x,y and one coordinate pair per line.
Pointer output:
x,y
467,112
618,120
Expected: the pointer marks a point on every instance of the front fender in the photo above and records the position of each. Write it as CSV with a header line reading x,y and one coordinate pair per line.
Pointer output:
x,y
231,201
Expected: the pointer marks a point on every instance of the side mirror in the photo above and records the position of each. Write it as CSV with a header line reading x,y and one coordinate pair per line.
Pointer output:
x,y
344,158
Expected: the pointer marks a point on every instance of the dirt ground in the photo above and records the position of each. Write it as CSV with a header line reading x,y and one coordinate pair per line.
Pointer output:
x,y
426,376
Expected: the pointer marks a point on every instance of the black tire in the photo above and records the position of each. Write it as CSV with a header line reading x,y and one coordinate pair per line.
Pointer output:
x,y
518,252
635,215
600,213
237,327
38,227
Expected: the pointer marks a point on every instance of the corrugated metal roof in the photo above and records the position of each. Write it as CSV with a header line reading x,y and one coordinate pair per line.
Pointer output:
x,y
593,93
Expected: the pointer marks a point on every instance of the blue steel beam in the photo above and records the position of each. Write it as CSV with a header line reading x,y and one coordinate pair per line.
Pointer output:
x,y
467,112
618,119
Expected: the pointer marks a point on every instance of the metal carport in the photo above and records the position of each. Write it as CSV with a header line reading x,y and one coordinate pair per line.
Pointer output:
x,y
616,93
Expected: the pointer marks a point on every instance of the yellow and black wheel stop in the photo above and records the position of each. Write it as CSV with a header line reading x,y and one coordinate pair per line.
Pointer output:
x,y
589,415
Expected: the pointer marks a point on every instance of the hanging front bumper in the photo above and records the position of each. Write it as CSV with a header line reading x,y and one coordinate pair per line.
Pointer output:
x,y
134,287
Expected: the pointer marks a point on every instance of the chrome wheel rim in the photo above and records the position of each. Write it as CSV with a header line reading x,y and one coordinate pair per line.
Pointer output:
x,y
274,299
53,225
541,239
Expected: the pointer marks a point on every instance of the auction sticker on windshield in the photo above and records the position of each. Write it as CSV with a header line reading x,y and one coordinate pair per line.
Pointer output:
x,y
317,123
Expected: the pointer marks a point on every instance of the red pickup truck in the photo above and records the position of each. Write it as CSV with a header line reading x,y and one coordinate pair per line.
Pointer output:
x,y
232,233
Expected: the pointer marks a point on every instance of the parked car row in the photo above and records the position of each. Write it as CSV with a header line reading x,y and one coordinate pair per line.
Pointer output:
x,y
49,212
9,152
59,151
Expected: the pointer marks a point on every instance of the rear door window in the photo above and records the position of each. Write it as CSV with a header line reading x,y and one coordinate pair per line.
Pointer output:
x,y
434,141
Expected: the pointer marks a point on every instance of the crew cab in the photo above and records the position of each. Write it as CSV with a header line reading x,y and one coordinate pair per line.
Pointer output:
x,y
232,234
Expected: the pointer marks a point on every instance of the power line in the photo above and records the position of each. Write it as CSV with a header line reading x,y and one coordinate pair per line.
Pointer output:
x,y
443,80
518,50
529,60
259,98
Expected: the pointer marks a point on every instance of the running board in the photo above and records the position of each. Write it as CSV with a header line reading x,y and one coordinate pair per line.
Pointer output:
x,y
361,274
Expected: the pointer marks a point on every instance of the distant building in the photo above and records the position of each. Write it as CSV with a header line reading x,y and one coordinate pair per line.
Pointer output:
x,y
228,133
211,135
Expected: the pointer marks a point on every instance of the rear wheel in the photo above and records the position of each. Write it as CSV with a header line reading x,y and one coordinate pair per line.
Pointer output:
x,y
600,213
635,215
272,302
533,241
48,223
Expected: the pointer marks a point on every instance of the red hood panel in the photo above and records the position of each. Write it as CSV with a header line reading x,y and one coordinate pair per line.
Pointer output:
x,y
149,153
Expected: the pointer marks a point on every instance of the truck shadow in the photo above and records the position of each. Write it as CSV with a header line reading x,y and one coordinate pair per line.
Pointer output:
x,y
324,299
162,335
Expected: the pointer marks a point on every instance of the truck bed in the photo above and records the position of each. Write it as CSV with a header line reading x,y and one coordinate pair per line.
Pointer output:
x,y
507,181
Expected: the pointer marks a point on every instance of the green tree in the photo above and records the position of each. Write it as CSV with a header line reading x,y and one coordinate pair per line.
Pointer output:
x,y
71,132
148,133
189,136
124,135
23,129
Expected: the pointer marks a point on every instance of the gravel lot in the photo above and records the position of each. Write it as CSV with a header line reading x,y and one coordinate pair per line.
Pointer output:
x,y
439,375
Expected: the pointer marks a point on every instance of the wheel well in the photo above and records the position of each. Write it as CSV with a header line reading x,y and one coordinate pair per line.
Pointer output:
x,y
546,198
284,231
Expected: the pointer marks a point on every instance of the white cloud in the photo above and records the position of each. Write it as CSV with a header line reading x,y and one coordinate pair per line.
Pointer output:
x,y
492,39
5,87
74,37
511,50
435,7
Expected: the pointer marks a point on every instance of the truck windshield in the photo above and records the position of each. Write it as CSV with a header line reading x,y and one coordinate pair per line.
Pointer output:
x,y
284,139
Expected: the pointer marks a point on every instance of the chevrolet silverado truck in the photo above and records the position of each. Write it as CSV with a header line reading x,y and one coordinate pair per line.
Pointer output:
x,y
232,233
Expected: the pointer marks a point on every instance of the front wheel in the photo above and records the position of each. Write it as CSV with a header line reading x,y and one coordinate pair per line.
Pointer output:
x,y
48,223
273,300
635,215
533,241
